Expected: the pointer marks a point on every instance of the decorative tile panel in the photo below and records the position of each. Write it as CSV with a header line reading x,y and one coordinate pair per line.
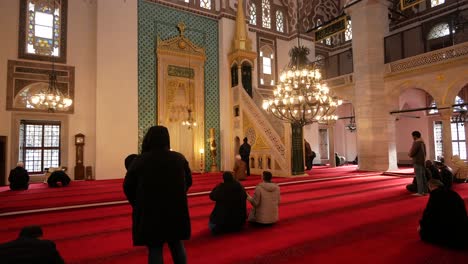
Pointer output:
x,y
155,21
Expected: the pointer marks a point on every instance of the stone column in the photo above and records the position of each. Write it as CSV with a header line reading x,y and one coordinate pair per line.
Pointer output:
x,y
370,25
297,149
331,143
447,151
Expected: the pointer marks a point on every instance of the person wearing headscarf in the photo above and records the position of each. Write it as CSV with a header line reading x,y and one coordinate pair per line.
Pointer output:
x,y
19,178
444,221
230,211
156,186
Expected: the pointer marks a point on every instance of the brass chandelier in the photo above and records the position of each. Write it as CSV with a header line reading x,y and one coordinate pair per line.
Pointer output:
x,y
301,97
51,99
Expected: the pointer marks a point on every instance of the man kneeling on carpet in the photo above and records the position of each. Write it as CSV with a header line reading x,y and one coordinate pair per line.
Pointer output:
x,y
29,248
19,178
265,201
444,220
58,175
230,210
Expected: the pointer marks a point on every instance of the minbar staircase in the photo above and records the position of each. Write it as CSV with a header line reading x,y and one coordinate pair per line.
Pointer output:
x,y
269,151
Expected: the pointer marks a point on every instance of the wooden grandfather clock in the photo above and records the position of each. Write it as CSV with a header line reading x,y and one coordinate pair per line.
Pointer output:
x,y
79,167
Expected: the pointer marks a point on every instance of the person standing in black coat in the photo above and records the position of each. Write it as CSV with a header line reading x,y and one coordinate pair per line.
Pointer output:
x,y
19,178
156,186
230,211
444,220
29,249
244,152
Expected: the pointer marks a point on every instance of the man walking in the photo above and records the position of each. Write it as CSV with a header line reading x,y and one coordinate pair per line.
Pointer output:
x,y
418,154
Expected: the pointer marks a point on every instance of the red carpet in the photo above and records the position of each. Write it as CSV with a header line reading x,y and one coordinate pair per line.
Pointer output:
x,y
353,220
87,192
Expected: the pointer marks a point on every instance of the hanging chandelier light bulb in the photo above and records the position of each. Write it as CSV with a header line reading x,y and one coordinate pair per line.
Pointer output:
x,y
189,122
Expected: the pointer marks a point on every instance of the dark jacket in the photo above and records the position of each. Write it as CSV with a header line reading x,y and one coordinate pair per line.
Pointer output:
x,y
230,211
25,250
244,151
18,178
156,185
444,220
418,152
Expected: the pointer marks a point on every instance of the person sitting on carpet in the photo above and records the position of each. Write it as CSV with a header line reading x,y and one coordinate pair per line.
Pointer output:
x,y
446,175
230,210
29,248
265,201
239,169
444,220
58,175
19,178
432,172
156,186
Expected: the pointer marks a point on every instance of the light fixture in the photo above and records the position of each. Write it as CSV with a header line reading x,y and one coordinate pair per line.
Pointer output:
x,y
189,122
51,99
301,97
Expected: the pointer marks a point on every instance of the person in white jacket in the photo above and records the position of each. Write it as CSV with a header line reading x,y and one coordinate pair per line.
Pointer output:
x,y
265,201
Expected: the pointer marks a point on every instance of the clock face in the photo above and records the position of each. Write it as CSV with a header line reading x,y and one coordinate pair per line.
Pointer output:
x,y
79,140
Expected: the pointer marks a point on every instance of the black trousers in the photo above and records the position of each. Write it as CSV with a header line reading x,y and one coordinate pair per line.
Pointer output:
x,y
246,160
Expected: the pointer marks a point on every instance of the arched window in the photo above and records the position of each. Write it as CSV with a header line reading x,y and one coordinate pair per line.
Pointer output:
x,y
253,14
267,66
279,21
43,30
438,31
205,4
320,61
349,31
266,18
436,2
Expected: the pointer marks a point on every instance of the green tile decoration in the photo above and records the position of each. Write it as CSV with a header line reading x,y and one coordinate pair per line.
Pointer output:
x,y
156,20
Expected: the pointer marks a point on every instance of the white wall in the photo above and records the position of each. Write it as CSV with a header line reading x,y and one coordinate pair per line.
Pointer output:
x,y
81,53
117,86
9,14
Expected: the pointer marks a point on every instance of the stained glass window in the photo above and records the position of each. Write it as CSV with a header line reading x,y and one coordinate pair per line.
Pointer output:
x,y
205,4
253,14
43,29
437,2
349,31
266,18
438,31
279,21
39,145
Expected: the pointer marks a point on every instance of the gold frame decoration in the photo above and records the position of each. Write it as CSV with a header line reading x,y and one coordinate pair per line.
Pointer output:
x,y
334,27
